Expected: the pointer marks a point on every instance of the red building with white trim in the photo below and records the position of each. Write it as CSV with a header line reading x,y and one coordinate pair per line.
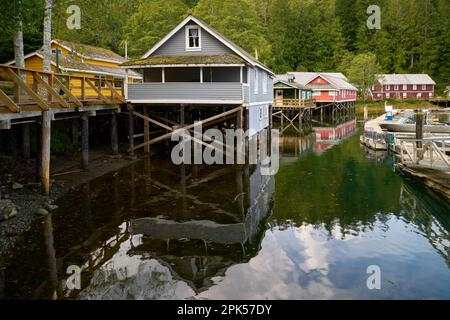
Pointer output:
x,y
403,87
326,87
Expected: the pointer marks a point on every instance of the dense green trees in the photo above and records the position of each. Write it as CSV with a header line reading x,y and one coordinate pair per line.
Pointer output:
x,y
287,34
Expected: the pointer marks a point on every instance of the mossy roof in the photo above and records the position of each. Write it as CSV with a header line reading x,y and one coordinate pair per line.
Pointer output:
x,y
92,52
186,60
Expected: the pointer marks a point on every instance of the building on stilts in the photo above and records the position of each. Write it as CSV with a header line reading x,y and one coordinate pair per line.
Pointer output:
x,y
196,74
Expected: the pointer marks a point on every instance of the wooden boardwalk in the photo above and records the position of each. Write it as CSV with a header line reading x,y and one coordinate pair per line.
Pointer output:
x,y
30,96
24,92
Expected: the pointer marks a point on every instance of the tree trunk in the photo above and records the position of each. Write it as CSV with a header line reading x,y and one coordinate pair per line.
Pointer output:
x,y
18,43
47,50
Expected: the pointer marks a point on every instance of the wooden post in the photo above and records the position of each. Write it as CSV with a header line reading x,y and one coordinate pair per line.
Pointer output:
x,y
38,151
26,140
83,89
419,128
45,151
114,137
146,130
240,119
182,115
131,129
85,142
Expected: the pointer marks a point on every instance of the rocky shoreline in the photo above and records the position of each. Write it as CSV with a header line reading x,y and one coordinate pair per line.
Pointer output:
x,y
21,204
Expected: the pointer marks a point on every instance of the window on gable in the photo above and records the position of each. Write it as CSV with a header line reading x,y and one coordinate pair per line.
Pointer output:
x,y
57,50
193,38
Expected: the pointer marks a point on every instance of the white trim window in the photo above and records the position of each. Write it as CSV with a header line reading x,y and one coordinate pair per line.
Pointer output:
x,y
405,87
396,88
264,83
431,94
424,87
193,38
57,50
419,95
256,81
405,95
388,87
316,93
388,95
415,87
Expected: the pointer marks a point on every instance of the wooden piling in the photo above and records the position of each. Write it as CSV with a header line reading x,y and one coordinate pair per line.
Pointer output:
x,y
84,142
26,140
131,129
114,137
146,130
182,115
419,128
45,151
38,151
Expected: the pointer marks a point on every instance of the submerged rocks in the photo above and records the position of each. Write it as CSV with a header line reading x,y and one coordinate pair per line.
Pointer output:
x,y
52,207
17,186
42,212
8,210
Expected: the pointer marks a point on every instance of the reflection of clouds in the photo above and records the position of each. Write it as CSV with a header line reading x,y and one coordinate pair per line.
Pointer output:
x,y
276,272
132,277
305,262
314,249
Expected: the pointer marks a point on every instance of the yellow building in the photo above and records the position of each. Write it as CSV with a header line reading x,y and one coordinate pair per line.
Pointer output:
x,y
83,61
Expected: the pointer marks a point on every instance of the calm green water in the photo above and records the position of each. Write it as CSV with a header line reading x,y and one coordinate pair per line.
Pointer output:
x,y
157,231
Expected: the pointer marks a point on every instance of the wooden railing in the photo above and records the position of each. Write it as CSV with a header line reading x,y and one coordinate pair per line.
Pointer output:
x,y
294,103
430,152
31,90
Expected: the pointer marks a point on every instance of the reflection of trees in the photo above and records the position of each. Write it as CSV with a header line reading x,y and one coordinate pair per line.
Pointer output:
x,y
340,188
429,218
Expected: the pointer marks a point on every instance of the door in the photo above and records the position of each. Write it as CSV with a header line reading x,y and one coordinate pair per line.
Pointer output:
x,y
279,97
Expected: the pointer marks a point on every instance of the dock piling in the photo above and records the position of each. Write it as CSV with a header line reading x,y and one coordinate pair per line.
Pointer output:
x,y
114,137
85,142
45,151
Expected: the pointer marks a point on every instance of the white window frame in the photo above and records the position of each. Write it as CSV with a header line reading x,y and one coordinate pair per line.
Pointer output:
x,y
424,87
264,83
405,87
57,50
316,93
415,87
405,95
388,95
388,87
199,48
256,81
431,94
419,95
395,87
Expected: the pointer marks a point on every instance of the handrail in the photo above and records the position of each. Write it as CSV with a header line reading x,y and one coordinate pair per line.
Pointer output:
x,y
35,90
293,103
426,154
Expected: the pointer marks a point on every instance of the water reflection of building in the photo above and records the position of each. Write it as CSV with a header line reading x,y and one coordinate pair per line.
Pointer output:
x,y
294,146
328,136
162,256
